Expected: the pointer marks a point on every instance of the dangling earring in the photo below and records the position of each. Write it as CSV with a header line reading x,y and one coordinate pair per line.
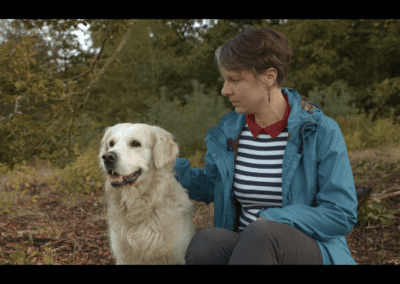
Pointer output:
x,y
269,96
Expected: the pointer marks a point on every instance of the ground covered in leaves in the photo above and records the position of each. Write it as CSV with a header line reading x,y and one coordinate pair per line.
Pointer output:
x,y
378,244
56,231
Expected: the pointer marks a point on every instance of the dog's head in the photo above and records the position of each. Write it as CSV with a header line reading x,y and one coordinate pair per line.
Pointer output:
x,y
128,150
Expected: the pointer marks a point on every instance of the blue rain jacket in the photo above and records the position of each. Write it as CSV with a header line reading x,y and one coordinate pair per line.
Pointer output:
x,y
318,191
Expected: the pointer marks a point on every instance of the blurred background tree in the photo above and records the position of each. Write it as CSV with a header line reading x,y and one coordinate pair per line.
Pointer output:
x,y
165,75
48,99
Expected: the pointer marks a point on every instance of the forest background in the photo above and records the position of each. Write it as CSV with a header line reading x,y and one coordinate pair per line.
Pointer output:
x,y
55,104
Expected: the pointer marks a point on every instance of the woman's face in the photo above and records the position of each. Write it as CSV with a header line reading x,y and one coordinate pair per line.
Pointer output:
x,y
247,94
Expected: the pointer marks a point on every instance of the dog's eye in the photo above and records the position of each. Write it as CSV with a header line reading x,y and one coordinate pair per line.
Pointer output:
x,y
111,143
135,144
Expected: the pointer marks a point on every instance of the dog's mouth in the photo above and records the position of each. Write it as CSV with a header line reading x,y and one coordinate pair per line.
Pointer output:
x,y
119,180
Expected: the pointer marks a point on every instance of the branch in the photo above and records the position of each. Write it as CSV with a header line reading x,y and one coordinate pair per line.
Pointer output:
x,y
93,65
105,67
84,73
96,79
72,124
97,57
102,46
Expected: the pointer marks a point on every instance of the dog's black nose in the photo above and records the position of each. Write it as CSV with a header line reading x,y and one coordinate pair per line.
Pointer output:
x,y
109,157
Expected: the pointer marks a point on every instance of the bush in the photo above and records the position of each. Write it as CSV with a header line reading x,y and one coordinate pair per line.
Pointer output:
x,y
84,175
189,124
333,100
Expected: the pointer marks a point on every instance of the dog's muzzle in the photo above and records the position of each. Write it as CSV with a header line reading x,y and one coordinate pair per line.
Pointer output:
x,y
110,159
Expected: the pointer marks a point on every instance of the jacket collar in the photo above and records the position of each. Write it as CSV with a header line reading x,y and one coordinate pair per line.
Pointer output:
x,y
301,112
273,129
298,115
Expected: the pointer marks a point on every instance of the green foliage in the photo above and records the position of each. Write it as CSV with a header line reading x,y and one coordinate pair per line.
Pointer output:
x,y
26,255
375,211
97,27
333,100
365,166
360,132
147,63
21,134
384,99
189,124
88,133
328,50
327,54
197,160
45,125
84,175
6,201
80,177
22,176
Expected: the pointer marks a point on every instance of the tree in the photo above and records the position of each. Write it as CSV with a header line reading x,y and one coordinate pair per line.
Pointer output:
x,y
361,54
48,138
159,55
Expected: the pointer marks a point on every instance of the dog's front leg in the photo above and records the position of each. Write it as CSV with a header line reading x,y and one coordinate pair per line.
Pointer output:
x,y
115,250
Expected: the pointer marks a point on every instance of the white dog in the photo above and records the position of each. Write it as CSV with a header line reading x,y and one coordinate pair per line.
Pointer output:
x,y
149,212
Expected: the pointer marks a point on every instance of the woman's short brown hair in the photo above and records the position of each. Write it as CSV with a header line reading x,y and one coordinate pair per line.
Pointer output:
x,y
255,51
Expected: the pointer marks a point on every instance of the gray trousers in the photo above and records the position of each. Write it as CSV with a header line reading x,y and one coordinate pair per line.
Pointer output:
x,y
262,242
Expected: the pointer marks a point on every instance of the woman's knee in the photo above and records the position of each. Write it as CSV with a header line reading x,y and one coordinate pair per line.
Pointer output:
x,y
261,227
206,239
209,245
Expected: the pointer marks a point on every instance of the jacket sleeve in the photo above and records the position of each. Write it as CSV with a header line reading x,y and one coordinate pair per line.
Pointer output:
x,y
335,213
199,182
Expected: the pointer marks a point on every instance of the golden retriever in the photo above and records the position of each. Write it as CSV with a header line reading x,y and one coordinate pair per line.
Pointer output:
x,y
149,212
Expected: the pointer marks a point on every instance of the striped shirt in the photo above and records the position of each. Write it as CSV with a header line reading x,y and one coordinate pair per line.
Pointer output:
x,y
257,183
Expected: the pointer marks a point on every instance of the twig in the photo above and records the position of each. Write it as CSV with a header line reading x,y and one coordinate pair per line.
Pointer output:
x,y
102,47
52,243
376,226
389,195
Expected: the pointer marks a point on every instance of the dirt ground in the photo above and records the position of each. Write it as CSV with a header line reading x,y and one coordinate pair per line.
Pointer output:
x,y
75,231
377,244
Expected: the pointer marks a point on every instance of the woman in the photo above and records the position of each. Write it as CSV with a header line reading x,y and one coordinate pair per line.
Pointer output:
x,y
276,167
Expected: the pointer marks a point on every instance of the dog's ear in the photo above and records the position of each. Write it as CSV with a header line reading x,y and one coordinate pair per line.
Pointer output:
x,y
165,150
